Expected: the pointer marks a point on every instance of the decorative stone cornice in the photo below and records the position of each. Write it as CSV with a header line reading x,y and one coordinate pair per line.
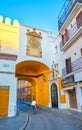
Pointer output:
x,y
33,47
33,33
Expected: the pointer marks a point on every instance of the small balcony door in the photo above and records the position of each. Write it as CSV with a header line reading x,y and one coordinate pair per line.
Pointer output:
x,y
68,65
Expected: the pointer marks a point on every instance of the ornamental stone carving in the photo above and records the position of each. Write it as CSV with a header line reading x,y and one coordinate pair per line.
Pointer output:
x,y
33,47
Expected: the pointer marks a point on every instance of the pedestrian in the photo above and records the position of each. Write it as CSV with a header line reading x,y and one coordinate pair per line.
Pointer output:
x,y
33,104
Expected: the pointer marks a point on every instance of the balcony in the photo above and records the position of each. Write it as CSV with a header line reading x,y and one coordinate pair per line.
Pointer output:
x,y
74,33
69,9
76,65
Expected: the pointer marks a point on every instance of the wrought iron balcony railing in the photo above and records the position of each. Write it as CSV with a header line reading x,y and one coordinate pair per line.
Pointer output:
x,y
64,13
76,65
70,33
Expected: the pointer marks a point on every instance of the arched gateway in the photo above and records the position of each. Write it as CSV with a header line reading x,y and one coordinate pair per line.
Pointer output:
x,y
37,74
25,54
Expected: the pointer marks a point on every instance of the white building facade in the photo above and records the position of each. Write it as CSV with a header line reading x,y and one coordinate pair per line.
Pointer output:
x,y
70,30
8,56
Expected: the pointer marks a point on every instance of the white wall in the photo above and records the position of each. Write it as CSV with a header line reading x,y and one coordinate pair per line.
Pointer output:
x,y
57,55
7,65
75,48
46,45
7,78
78,76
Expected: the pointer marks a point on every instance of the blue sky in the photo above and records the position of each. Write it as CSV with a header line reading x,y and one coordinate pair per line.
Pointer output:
x,y
36,13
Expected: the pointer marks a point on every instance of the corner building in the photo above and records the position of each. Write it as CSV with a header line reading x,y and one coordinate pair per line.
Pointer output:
x,y
9,39
70,30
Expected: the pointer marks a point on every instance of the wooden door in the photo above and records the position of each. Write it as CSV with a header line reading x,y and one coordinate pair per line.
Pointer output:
x,y
4,101
54,96
72,98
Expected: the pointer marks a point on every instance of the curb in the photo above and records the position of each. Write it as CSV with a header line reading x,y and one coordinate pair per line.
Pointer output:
x,y
74,116
26,121
58,110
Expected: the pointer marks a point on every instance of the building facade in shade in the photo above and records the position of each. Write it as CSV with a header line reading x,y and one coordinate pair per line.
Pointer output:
x,y
70,30
57,65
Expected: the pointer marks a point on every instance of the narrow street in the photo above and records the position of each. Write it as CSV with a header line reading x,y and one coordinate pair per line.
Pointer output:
x,y
49,120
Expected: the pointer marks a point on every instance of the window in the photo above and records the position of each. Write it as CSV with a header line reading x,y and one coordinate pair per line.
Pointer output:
x,y
81,51
56,49
68,65
79,19
65,37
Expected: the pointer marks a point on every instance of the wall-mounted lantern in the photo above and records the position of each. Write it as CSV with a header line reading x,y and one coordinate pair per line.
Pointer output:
x,y
44,77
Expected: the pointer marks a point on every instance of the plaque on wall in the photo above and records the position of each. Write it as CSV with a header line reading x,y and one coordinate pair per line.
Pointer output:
x,y
33,47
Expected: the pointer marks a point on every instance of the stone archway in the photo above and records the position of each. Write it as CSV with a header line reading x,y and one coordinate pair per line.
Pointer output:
x,y
54,95
37,73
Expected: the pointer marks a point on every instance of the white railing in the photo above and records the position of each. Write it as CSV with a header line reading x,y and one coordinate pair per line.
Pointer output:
x,y
72,30
76,65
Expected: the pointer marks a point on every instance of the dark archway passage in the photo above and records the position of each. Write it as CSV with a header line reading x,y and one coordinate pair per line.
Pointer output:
x,y
54,96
